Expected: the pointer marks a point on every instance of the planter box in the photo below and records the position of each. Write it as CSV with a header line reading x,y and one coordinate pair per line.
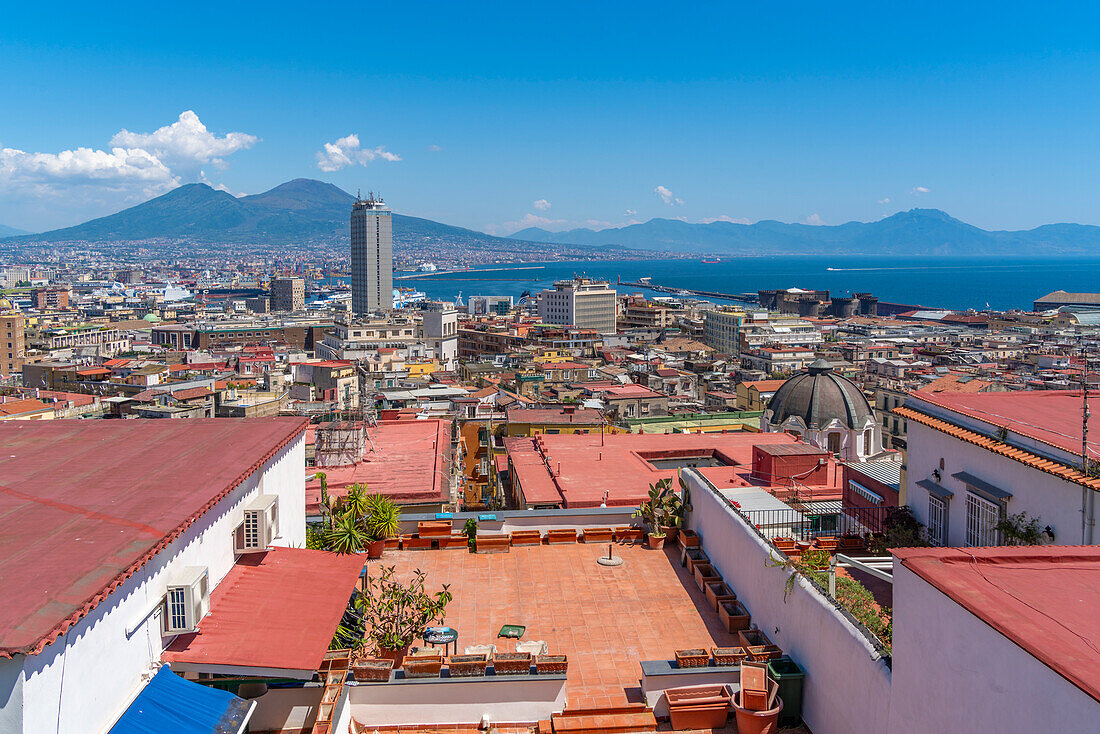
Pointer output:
x,y
693,658
763,653
494,544
545,664
728,655
704,574
717,592
467,666
561,535
688,539
372,670
706,707
827,543
785,544
393,543
749,638
412,543
454,541
422,666
848,543
597,535
512,663
693,557
526,537
734,616
433,528
628,533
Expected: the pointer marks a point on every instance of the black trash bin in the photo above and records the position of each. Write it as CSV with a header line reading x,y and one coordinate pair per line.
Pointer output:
x,y
789,675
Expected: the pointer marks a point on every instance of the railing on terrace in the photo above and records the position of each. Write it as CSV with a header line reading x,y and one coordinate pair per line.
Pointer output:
x,y
812,522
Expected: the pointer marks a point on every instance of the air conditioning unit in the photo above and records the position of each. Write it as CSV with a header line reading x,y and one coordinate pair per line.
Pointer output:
x,y
186,601
259,527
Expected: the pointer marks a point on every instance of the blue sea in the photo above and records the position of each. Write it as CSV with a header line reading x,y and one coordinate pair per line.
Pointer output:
x,y
936,282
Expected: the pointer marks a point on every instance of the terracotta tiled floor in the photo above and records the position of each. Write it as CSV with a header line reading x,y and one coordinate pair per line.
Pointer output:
x,y
605,620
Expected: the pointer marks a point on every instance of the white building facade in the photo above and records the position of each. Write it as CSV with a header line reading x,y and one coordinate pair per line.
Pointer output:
x,y
584,303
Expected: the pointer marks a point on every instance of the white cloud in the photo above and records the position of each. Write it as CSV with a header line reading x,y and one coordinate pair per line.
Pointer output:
x,y
529,220
186,142
884,201
917,190
434,148
814,219
136,166
346,152
84,166
630,212
667,196
542,205
725,218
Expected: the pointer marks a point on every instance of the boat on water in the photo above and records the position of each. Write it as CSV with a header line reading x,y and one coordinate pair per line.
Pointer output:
x,y
712,262
405,297
427,267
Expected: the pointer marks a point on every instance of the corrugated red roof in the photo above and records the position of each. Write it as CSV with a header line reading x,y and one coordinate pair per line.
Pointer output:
x,y
1044,599
406,460
84,504
277,609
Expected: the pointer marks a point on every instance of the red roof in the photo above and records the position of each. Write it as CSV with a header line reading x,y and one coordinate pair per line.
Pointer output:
x,y
405,460
277,609
86,503
1050,416
1043,598
628,391
766,385
587,416
583,467
17,406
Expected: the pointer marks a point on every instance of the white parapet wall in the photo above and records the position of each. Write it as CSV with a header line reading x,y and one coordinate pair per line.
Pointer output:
x,y
847,684
504,699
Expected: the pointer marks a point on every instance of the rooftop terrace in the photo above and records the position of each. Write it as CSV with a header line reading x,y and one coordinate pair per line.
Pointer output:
x,y
605,620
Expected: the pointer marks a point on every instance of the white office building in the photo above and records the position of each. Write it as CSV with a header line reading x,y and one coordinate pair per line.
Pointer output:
x,y
582,302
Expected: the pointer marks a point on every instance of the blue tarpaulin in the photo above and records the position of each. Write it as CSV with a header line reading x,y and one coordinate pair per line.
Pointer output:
x,y
171,704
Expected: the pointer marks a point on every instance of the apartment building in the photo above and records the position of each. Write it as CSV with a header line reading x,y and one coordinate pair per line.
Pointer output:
x,y
582,302
722,331
288,294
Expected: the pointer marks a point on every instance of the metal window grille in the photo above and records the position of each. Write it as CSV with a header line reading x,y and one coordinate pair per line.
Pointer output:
x,y
937,513
982,517
177,608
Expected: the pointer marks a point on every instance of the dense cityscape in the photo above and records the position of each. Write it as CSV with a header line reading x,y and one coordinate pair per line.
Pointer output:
x,y
661,392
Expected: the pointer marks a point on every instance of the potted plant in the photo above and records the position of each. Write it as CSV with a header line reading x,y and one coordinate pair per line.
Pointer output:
x,y
395,614
383,522
470,531
660,512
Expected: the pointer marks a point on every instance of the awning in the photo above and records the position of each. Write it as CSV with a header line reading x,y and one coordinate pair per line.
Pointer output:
x,y
989,491
169,703
935,489
273,615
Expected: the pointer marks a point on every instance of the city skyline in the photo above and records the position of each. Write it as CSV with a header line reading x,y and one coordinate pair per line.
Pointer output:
x,y
477,120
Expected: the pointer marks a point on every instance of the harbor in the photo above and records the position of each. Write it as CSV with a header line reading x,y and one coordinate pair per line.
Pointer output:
x,y
648,283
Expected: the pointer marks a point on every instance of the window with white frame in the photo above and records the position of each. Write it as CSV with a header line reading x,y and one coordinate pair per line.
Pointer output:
x,y
982,517
937,520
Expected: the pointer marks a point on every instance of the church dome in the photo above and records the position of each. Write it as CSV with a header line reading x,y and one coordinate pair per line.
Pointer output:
x,y
818,396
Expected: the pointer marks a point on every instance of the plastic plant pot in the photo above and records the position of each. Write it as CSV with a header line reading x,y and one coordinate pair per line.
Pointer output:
x,y
790,676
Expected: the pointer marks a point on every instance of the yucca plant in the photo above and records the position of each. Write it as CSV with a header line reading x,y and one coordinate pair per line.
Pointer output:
x,y
383,516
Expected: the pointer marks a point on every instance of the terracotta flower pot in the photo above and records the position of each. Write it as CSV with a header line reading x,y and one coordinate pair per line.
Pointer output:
x,y
692,658
397,655
756,722
373,670
375,548
467,666
655,542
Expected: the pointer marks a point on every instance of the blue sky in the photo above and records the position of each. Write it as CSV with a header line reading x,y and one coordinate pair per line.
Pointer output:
x,y
588,114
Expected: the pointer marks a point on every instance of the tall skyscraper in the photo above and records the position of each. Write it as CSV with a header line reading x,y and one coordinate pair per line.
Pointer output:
x,y
371,256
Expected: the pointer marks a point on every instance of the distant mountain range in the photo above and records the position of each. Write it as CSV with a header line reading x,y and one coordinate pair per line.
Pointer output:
x,y
6,231
299,212
304,211
915,232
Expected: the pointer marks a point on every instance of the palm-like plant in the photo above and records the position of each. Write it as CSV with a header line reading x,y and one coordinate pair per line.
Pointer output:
x,y
383,516
347,534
